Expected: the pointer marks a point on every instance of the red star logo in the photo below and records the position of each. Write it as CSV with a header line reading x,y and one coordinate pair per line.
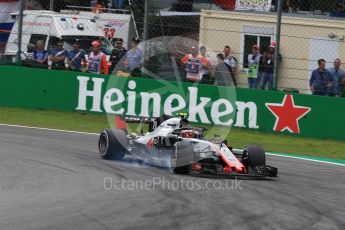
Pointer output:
x,y
287,114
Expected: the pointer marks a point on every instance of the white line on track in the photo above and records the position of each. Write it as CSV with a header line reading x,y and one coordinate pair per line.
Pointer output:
x,y
47,129
86,133
307,159
301,158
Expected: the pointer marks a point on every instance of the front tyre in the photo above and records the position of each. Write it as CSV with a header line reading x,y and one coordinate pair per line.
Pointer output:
x,y
255,156
112,144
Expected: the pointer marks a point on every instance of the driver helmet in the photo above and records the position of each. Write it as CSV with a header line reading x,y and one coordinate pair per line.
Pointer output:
x,y
189,134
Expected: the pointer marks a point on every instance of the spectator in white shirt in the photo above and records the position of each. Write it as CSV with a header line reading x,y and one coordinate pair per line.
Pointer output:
x,y
229,59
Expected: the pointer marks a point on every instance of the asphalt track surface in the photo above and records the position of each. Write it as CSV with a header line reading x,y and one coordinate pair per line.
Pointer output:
x,y
55,180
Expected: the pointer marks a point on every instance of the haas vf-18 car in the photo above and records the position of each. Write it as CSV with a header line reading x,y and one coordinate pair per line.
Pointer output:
x,y
172,142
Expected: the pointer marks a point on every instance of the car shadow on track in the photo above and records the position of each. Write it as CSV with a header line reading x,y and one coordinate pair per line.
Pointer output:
x,y
140,163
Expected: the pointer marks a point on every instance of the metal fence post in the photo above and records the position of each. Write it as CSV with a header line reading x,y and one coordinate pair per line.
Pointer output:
x,y
146,28
51,5
20,31
277,48
146,15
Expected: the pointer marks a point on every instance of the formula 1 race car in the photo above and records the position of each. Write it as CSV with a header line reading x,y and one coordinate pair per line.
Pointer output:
x,y
174,143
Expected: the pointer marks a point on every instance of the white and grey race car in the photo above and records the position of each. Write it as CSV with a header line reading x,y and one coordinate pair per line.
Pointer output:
x,y
172,142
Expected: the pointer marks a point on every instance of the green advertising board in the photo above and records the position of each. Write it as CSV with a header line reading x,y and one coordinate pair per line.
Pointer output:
x,y
301,115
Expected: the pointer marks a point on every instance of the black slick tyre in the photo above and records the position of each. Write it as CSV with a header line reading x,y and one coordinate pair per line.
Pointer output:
x,y
255,156
112,144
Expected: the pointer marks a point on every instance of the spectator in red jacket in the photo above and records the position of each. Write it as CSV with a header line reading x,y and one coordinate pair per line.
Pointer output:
x,y
194,63
97,60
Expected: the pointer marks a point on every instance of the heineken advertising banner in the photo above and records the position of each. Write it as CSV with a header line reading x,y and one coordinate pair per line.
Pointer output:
x,y
302,115
257,5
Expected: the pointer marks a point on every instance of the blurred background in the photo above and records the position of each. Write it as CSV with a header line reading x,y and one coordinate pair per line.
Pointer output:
x,y
309,30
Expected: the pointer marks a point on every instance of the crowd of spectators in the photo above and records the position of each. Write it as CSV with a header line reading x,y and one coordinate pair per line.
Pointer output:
x,y
260,71
76,59
197,65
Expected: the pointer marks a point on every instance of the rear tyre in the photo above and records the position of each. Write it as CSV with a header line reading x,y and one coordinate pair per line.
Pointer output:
x,y
255,156
112,144
182,157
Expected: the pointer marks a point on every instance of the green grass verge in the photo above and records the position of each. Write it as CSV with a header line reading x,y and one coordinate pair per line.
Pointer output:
x,y
236,137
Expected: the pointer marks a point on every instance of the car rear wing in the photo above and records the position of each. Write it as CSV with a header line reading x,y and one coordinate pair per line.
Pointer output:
x,y
153,122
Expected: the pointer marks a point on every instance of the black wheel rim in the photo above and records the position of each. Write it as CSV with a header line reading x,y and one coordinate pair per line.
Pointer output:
x,y
103,144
